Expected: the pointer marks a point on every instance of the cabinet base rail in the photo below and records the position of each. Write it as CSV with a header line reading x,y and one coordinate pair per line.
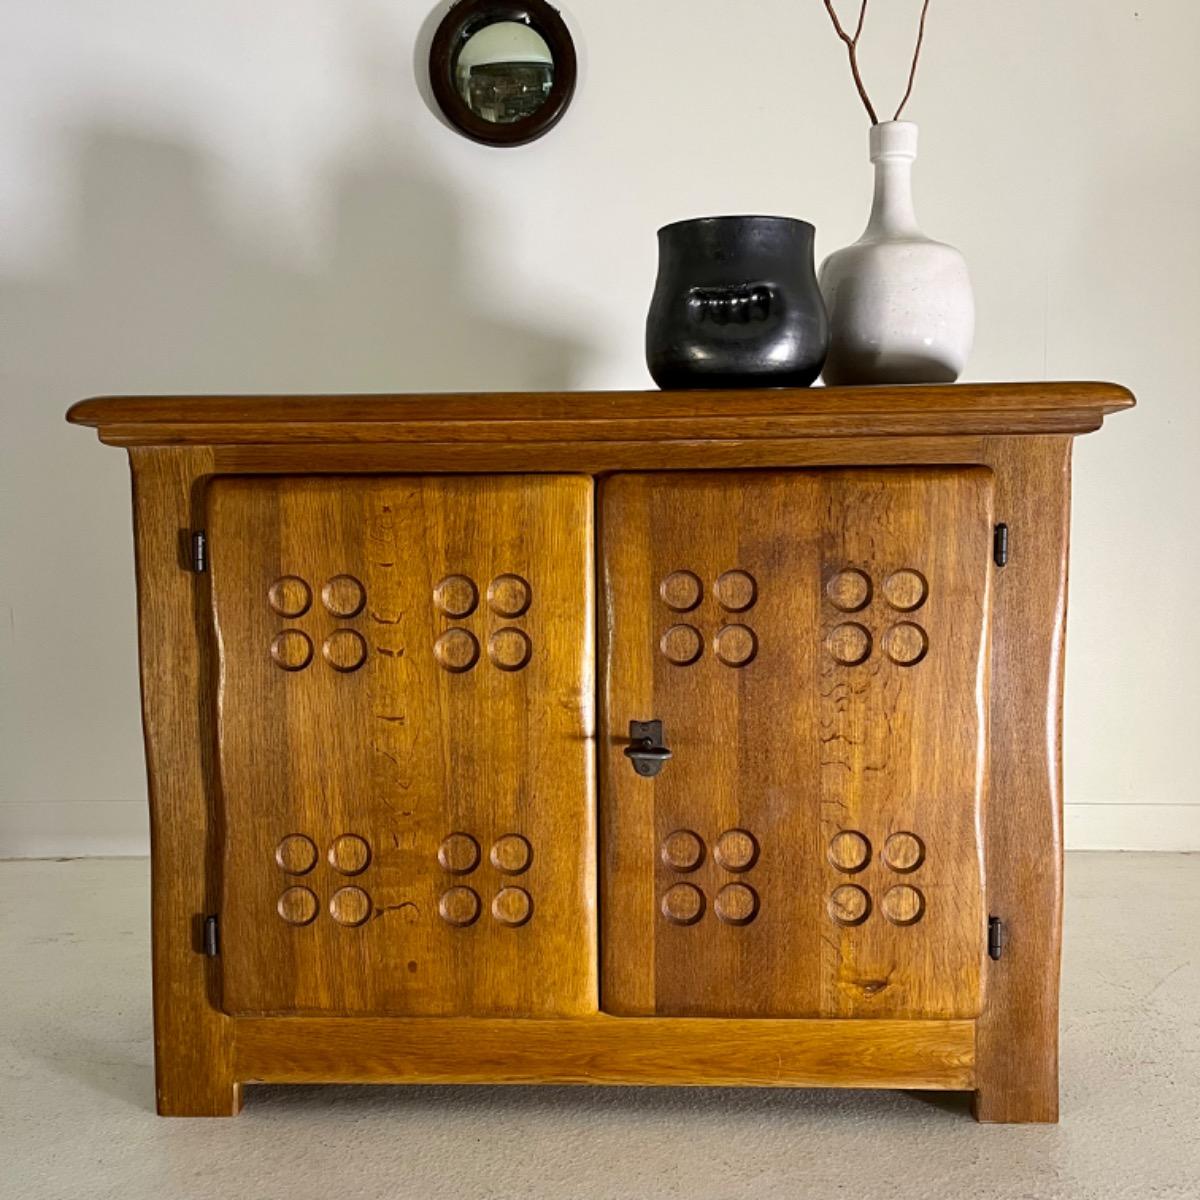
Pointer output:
x,y
654,1051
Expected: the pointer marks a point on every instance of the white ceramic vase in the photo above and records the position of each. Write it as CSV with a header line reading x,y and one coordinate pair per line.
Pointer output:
x,y
901,309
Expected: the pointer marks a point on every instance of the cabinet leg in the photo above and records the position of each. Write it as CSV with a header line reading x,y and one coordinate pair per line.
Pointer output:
x,y
1030,1106
1022,1101
193,1039
1016,1037
211,1097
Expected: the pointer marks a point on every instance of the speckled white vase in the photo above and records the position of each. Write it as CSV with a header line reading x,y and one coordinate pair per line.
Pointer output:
x,y
901,309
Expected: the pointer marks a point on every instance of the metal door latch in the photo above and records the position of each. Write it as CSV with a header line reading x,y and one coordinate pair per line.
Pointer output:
x,y
647,752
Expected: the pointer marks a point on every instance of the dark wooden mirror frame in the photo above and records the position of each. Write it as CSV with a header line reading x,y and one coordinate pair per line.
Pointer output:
x,y
464,19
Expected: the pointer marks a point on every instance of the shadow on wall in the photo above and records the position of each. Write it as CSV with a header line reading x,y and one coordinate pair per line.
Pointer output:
x,y
159,293
157,288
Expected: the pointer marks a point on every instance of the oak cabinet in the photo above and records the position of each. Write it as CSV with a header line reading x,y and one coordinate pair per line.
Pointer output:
x,y
613,738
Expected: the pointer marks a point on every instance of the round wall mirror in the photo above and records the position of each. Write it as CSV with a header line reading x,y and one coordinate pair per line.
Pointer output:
x,y
503,73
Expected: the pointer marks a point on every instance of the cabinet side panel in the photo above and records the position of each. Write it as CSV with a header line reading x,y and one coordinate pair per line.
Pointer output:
x,y
1018,1030
193,1039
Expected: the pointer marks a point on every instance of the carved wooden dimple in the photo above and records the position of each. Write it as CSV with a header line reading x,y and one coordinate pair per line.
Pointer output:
x,y
816,646
405,744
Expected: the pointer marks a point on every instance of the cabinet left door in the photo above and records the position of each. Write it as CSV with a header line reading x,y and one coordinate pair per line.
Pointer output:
x,y
405,744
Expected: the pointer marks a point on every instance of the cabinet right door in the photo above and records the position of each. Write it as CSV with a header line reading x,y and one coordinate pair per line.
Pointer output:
x,y
816,646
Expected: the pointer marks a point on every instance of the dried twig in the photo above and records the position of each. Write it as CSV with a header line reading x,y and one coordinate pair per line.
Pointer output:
x,y
912,74
852,51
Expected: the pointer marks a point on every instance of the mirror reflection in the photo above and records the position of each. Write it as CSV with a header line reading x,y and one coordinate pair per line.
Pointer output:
x,y
504,72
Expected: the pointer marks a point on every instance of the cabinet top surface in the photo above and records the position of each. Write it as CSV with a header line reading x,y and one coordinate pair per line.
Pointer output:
x,y
533,417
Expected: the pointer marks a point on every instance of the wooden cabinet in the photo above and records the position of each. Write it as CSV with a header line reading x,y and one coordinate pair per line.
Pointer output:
x,y
613,738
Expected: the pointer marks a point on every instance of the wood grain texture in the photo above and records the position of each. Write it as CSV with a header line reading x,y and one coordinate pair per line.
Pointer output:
x,y
1018,1029
645,417
406,744
610,1050
816,645
193,1040
596,458
1020,432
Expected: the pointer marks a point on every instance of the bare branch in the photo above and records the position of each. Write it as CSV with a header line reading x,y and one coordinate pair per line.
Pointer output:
x,y
836,23
852,51
912,74
862,17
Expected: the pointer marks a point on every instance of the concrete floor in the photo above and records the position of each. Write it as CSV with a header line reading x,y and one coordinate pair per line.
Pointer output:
x,y
76,1103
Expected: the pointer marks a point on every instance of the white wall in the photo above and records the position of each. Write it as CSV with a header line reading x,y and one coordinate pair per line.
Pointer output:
x,y
240,196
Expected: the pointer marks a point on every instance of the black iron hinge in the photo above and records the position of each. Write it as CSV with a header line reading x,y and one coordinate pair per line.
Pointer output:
x,y
211,943
995,938
1000,545
198,551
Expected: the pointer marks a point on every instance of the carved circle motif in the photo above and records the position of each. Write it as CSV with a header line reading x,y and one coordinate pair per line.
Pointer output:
x,y
296,854
682,850
735,645
350,906
297,906
849,644
510,648
849,905
459,906
683,904
904,852
736,904
344,596
511,854
681,591
456,596
905,590
456,650
736,850
849,590
292,650
903,905
512,906
458,854
849,851
905,644
349,854
509,596
736,591
290,596
345,650
682,644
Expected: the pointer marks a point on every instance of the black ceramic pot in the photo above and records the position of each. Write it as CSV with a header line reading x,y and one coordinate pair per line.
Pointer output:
x,y
736,305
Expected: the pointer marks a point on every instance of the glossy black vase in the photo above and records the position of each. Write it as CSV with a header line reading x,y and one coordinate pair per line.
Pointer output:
x,y
736,305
